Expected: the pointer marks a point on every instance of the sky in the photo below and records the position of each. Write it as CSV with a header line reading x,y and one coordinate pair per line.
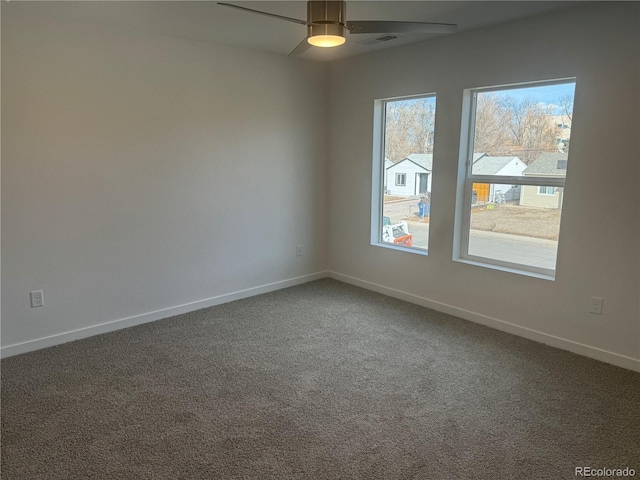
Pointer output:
x,y
547,94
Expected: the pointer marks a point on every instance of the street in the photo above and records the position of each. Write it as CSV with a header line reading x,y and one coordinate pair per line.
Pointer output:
x,y
523,250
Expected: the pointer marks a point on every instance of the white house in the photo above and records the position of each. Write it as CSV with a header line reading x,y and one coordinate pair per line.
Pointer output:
x,y
410,176
497,166
387,163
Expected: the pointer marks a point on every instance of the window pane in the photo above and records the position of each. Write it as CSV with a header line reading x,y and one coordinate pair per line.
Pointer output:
x,y
518,132
408,164
516,233
546,190
523,131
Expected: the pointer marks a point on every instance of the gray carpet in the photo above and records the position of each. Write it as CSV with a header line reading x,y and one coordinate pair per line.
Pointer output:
x,y
319,381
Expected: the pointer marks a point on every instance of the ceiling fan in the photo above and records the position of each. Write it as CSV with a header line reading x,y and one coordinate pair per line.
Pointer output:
x,y
327,25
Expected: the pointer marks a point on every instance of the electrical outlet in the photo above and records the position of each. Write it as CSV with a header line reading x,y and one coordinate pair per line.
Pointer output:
x,y
596,305
37,298
299,251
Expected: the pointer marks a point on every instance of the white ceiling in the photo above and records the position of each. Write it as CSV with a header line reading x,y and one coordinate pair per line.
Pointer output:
x,y
206,21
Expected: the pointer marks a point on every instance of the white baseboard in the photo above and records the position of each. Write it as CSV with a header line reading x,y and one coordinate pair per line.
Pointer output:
x,y
541,337
113,325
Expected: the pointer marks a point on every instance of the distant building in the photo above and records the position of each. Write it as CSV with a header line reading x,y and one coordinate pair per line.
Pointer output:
x,y
484,164
562,125
552,165
387,163
410,176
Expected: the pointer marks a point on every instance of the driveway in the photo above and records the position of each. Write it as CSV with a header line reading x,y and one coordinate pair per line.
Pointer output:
x,y
397,211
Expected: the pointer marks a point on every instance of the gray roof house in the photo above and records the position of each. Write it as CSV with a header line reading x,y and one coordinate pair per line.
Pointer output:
x,y
549,164
552,165
425,160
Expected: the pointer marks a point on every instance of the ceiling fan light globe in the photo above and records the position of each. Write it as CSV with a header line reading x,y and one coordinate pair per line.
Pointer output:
x,y
326,41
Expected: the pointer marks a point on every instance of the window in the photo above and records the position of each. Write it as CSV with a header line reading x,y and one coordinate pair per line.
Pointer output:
x,y
402,172
510,197
546,191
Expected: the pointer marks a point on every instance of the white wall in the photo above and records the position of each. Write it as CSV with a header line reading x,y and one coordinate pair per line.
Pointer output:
x,y
599,239
514,168
143,172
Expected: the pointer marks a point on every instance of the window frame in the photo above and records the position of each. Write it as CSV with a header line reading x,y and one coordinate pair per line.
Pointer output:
x,y
466,179
546,193
404,177
379,172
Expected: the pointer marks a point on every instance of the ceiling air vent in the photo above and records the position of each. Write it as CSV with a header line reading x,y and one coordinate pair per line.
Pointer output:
x,y
377,40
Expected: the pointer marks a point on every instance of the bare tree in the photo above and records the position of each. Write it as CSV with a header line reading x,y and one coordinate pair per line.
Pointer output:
x,y
566,104
517,116
491,135
409,128
504,125
424,113
507,126
540,136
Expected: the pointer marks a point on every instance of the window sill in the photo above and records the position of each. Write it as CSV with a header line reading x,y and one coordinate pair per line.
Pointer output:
x,y
502,268
414,250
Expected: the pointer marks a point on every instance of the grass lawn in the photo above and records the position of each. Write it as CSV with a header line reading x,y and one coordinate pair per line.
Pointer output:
x,y
517,220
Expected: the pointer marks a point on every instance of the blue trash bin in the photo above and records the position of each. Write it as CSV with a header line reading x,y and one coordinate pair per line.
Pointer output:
x,y
424,209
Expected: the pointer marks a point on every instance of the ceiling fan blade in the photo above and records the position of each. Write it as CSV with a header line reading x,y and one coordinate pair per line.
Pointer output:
x,y
373,26
251,10
302,47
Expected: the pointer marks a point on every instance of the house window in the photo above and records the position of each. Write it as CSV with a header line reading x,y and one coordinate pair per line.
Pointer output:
x,y
510,196
402,171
